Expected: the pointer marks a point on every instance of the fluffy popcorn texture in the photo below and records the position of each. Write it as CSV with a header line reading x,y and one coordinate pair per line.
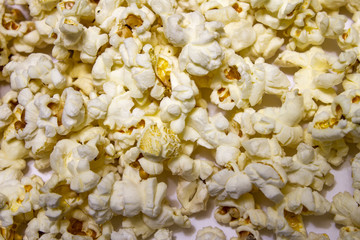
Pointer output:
x,y
210,233
120,99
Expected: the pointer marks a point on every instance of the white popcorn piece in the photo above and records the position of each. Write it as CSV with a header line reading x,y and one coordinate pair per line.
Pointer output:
x,y
314,81
71,161
246,232
190,169
123,233
269,177
262,148
346,209
130,22
229,183
163,234
305,201
224,11
22,73
307,168
349,232
174,109
139,64
283,122
201,52
355,168
99,200
12,25
19,195
328,127
210,233
168,217
40,8
266,43
241,34
57,198
346,106
209,132
130,196
285,224
193,196
240,212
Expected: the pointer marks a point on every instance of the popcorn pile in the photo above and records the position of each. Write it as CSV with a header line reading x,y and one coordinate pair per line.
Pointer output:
x,y
121,105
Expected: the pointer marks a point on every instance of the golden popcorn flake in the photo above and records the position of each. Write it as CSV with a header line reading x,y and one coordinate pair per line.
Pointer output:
x,y
356,99
295,221
163,71
223,93
330,123
232,73
28,188
133,21
237,7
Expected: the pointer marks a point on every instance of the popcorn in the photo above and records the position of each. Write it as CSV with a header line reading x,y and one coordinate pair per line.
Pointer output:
x,y
346,209
281,121
269,177
212,233
74,165
190,169
158,143
349,233
130,22
355,167
307,168
229,183
124,100
193,196
131,196
327,127
304,201
201,52
22,73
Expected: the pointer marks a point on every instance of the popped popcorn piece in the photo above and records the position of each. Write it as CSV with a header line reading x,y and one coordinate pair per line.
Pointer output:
x,y
315,79
328,127
129,22
99,200
303,200
355,168
269,177
190,169
18,195
246,232
193,196
210,233
285,224
307,168
71,161
163,234
227,183
346,209
131,195
282,122
349,232
158,143
21,73
201,51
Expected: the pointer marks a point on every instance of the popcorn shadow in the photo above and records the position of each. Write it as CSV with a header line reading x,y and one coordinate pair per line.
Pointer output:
x,y
322,222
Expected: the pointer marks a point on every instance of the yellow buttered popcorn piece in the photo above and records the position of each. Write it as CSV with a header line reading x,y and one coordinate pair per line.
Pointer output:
x,y
159,143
